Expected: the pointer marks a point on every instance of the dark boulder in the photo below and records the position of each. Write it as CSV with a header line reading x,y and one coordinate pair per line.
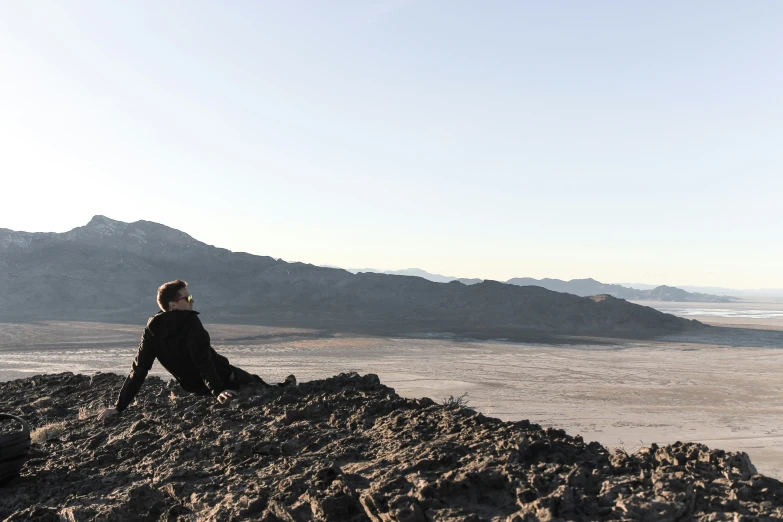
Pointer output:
x,y
14,446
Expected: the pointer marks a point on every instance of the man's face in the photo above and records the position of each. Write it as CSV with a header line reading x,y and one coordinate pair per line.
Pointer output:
x,y
181,303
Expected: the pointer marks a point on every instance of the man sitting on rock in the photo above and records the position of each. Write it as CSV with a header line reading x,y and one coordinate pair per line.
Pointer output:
x,y
176,337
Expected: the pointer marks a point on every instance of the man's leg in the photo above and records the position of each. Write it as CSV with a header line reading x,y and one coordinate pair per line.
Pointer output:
x,y
240,377
289,381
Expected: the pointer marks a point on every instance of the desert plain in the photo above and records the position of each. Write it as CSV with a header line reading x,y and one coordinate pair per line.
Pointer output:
x,y
720,386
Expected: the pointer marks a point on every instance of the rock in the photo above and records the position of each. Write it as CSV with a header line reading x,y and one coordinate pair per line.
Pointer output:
x,y
349,449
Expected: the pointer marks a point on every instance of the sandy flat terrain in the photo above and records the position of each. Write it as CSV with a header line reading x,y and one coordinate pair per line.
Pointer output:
x,y
721,387
762,314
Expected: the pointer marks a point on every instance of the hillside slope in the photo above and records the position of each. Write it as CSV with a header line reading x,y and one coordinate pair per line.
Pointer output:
x,y
110,270
346,449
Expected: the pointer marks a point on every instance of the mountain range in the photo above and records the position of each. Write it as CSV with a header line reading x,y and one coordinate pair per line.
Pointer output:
x,y
580,287
585,287
418,272
110,270
729,292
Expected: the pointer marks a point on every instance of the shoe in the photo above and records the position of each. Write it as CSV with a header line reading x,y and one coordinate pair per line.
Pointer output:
x,y
289,381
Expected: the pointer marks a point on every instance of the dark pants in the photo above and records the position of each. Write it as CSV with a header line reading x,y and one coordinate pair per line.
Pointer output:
x,y
240,377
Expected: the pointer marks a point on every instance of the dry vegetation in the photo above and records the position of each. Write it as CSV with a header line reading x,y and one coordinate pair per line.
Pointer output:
x,y
42,403
85,412
47,432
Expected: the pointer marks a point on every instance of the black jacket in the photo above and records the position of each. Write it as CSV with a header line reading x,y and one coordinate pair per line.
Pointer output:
x,y
181,344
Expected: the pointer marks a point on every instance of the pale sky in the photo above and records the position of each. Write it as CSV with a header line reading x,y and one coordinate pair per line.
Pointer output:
x,y
624,141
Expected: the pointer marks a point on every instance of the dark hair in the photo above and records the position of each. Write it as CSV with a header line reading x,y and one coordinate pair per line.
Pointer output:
x,y
168,292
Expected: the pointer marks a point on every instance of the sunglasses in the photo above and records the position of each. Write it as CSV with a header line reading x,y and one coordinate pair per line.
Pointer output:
x,y
188,297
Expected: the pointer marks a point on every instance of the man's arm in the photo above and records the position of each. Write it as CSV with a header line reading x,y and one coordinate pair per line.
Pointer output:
x,y
201,354
141,366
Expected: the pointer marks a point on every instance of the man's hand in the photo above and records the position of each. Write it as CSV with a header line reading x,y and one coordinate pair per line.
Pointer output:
x,y
108,413
226,396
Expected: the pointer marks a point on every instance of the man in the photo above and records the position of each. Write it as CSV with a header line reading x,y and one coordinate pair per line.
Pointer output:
x,y
176,337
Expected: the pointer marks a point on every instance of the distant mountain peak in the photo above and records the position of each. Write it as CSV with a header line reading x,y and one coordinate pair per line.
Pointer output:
x,y
141,231
99,220
415,272
590,287
101,226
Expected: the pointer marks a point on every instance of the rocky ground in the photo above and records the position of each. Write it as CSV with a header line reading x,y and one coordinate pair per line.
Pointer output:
x,y
344,449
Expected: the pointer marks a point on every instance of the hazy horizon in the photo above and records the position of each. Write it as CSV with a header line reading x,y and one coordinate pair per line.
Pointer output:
x,y
640,285
612,140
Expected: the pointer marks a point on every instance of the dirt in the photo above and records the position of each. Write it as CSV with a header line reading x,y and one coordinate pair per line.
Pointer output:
x,y
341,449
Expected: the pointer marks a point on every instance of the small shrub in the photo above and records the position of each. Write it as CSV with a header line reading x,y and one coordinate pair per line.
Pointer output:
x,y
457,402
43,402
47,432
86,412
